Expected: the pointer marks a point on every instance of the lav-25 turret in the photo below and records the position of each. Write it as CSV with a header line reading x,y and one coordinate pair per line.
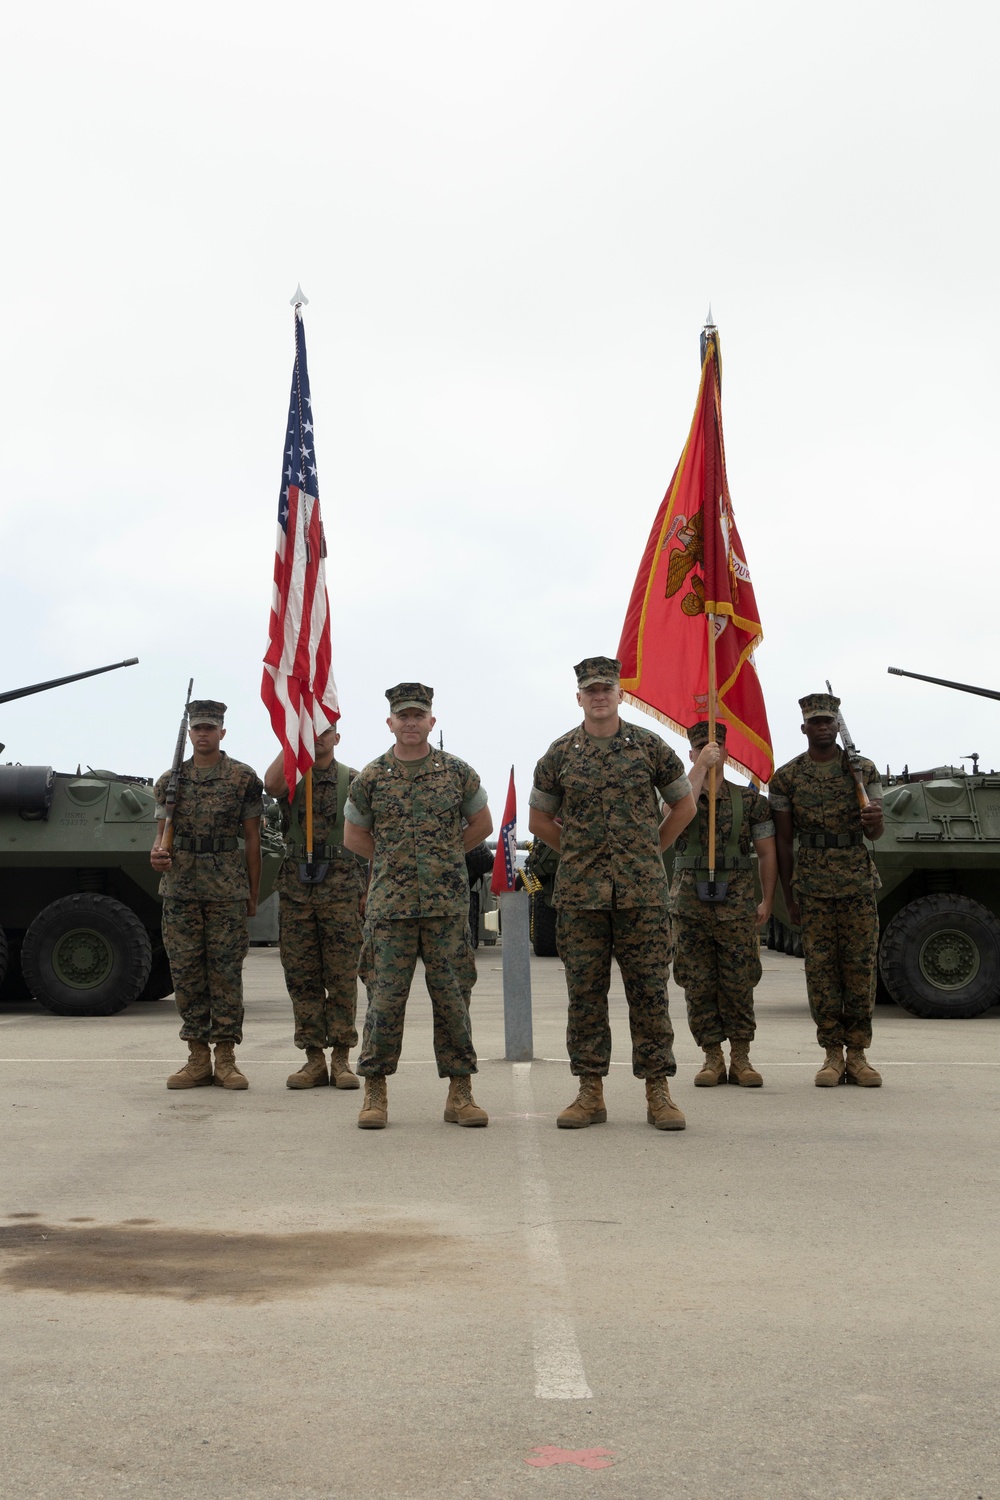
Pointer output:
x,y
79,903
939,906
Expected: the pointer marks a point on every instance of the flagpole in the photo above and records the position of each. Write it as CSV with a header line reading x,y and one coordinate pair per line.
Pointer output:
x,y
708,336
308,778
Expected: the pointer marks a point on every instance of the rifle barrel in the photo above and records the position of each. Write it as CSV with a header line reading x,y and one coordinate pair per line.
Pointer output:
x,y
43,687
960,687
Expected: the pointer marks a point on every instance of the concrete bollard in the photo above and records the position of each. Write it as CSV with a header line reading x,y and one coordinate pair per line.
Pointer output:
x,y
516,975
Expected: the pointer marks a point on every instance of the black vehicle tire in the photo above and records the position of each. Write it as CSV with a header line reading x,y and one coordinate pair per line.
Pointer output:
x,y
543,927
769,933
940,957
794,945
86,955
160,983
474,918
3,955
779,937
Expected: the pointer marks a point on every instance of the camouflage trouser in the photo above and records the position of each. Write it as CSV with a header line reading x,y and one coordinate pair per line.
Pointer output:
x,y
639,939
206,943
717,961
388,960
840,944
320,942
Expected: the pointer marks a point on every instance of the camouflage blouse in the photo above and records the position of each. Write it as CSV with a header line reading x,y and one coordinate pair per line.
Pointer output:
x,y
822,798
347,875
212,803
605,794
414,812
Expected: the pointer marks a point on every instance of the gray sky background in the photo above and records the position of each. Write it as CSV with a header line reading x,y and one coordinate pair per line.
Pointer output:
x,y
509,220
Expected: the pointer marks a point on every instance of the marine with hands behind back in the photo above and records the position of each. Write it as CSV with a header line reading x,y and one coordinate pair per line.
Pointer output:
x,y
832,806
415,812
209,889
717,943
594,799
319,917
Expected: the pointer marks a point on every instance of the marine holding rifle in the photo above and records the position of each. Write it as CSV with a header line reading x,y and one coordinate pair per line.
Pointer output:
x,y
831,800
715,925
320,909
209,889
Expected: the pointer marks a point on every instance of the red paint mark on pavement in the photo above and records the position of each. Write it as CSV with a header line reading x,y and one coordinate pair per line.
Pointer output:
x,y
584,1458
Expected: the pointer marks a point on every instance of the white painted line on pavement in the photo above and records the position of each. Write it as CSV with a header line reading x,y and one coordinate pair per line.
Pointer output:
x,y
559,1372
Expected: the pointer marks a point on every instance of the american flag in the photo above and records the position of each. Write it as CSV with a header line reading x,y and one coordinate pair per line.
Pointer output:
x,y
505,864
298,687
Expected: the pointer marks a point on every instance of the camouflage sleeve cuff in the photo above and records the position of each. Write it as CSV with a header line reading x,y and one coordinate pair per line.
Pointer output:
x,y
160,812
474,804
779,802
253,809
874,790
676,790
360,820
761,831
546,802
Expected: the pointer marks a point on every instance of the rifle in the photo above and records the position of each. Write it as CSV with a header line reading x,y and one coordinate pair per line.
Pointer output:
x,y
170,798
854,759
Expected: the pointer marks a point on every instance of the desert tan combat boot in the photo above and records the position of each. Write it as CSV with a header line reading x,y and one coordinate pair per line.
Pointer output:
x,y
661,1110
312,1074
588,1106
226,1072
860,1070
461,1108
375,1111
832,1071
197,1071
713,1070
340,1070
741,1070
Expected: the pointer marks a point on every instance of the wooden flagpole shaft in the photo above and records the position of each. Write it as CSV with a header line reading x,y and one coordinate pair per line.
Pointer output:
x,y
711,739
309,816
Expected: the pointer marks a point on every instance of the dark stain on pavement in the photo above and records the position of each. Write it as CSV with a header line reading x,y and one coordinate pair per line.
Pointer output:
x,y
133,1259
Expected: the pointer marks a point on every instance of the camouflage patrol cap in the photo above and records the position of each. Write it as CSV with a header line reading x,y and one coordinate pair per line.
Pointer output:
x,y
206,711
698,733
597,669
409,695
819,706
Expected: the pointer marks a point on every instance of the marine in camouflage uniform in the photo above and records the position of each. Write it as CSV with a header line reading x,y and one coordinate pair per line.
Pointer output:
x,y
594,799
832,891
405,813
320,917
209,888
717,942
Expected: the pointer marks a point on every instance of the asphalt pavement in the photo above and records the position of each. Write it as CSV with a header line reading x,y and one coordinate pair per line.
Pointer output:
x,y
241,1294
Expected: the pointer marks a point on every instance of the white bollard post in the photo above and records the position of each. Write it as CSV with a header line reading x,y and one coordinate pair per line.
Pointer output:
x,y
515,950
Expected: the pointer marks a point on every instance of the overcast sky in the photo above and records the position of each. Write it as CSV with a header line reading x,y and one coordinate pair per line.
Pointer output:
x,y
509,220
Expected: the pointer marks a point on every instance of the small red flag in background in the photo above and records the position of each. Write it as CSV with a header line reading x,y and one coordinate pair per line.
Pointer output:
x,y
505,864
694,565
298,687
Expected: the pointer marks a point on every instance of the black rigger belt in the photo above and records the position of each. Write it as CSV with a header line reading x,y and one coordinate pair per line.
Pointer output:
x,y
204,845
830,840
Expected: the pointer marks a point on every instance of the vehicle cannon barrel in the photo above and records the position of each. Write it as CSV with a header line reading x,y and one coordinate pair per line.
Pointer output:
x,y
960,687
43,687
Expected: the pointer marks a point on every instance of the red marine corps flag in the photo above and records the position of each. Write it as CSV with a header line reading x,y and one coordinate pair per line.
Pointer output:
x,y
298,687
692,623
505,864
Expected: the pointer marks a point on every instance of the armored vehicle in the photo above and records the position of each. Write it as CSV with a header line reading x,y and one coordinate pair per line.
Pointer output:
x,y
79,909
939,860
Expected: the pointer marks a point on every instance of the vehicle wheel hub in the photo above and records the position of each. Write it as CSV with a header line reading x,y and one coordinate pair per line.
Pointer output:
x,y
949,959
82,958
